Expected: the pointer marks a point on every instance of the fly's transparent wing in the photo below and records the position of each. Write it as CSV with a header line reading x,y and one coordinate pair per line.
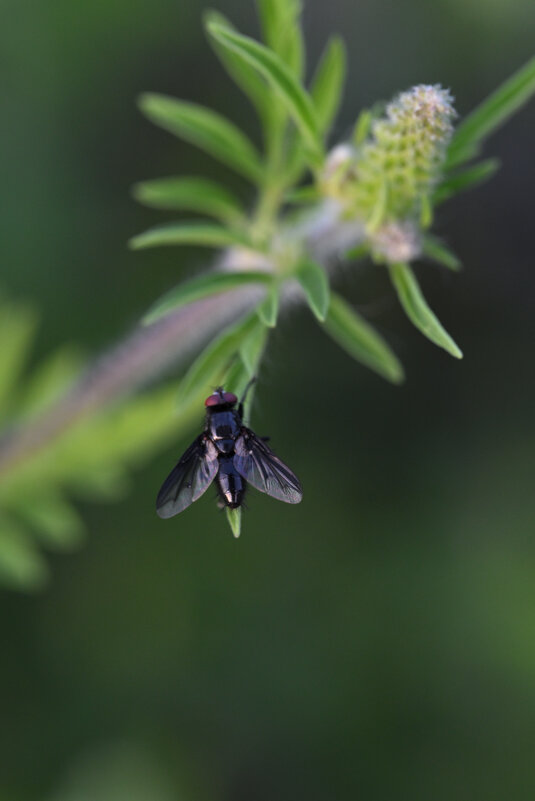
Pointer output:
x,y
260,467
189,479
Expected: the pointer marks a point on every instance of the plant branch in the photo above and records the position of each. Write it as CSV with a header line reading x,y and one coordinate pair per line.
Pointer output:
x,y
149,351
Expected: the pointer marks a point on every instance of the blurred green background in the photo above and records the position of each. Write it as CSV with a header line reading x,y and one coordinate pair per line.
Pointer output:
x,y
376,642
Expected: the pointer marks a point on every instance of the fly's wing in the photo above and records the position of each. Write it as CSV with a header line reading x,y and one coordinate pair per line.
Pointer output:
x,y
260,467
189,479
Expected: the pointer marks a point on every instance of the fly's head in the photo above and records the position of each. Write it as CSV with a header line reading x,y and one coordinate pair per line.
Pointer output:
x,y
220,401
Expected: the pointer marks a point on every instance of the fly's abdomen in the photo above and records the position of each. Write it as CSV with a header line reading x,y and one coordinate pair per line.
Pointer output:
x,y
230,484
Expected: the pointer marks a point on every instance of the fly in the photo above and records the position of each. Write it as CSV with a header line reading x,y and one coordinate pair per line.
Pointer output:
x,y
230,455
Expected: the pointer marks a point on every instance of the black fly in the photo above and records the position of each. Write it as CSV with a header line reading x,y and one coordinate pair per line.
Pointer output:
x,y
231,455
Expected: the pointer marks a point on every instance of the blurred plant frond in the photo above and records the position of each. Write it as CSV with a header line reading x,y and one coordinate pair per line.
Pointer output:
x,y
313,206
122,771
90,461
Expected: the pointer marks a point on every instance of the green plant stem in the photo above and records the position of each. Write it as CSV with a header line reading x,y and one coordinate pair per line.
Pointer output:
x,y
272,192
266,211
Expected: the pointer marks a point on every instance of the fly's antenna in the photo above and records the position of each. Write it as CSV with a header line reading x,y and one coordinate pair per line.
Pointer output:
x,y
244,396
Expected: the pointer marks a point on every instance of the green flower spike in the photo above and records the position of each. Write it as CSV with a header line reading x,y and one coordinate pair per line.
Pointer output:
x,y
401,164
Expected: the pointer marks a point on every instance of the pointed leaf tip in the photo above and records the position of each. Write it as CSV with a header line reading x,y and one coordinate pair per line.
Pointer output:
x,y
315,284
493,112
234,520
435,250
192,232
266,62
460,181
189,193
360,340
205,129
268,309
328,82
418,311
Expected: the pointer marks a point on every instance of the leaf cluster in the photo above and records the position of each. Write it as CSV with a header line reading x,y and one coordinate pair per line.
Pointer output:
x,y
269,250
89,462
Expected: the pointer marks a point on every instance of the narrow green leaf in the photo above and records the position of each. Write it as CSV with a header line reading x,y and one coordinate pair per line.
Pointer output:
x,y
315,284
466,179
438,252
190,233
249,81
21,565
103,483
296,51
362,126
207,130
358,252
234,520
303,195
328,82
357,337
417,310
48,380
190,194
201,287
365,121
209,367
492,113
236,377
56,521
252,348
269,307
272,15
378,212
292,94
282,31
426,212
17,326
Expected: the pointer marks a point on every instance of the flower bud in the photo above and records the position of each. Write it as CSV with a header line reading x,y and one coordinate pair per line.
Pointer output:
x,y
400,163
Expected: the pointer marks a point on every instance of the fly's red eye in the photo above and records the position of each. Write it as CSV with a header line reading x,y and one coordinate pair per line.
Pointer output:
x,y
219,398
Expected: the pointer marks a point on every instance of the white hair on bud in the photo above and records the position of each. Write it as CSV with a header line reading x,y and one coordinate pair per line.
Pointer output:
x,y
397,242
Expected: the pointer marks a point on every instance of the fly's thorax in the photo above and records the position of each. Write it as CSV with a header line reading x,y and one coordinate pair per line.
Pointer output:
x,y
223,425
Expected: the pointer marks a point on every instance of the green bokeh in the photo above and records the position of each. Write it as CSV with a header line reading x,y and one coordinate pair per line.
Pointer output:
x,y
376,642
